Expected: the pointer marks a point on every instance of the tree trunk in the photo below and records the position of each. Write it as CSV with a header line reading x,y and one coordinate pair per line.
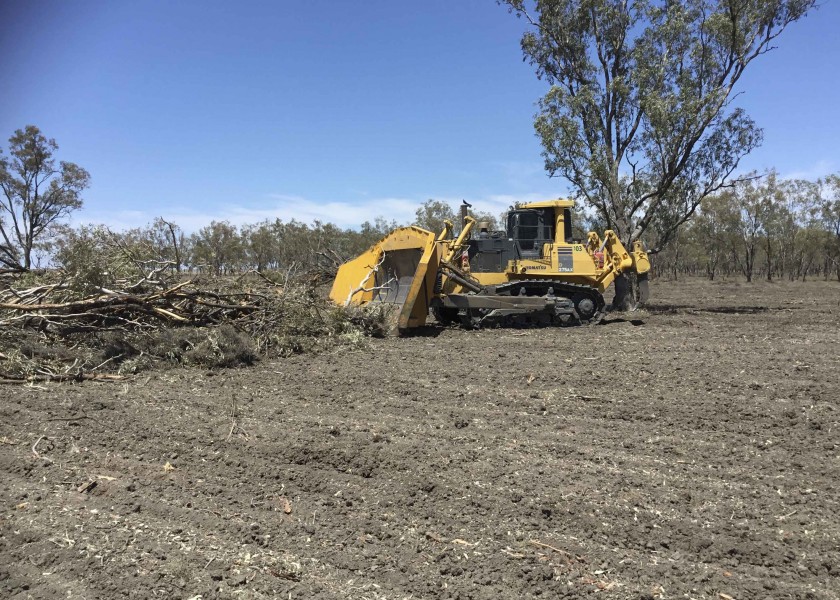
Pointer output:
x,y
625,298
175,246
710,271
749,263
768,249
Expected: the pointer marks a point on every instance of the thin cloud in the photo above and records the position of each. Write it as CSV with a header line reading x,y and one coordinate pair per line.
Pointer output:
x,y
819,169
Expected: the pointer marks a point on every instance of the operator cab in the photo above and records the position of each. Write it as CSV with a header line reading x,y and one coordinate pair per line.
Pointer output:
x,y
530,229
526,233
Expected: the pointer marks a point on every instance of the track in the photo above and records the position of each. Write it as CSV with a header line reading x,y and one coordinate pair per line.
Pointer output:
x,y
585,305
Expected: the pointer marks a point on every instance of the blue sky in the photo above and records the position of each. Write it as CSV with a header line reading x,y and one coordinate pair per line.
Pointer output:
x,y
330,109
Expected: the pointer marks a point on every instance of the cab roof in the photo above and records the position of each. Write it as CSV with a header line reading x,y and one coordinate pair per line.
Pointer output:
x,y
558,203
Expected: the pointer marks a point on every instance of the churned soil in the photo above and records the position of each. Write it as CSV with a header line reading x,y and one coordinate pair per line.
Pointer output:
x,y
690,450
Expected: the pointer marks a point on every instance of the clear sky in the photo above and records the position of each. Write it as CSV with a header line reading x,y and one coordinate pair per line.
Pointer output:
x,y
332,109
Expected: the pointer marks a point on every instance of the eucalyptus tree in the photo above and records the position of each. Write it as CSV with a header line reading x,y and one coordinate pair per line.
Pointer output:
x,y
432,214
714,230
831,220
37,195
217,248
639,116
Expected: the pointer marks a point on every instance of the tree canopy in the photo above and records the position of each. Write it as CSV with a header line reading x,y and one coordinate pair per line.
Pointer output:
x,y
639,116
37,195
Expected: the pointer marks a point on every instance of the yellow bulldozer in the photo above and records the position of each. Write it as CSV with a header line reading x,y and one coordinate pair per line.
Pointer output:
x,y
533,272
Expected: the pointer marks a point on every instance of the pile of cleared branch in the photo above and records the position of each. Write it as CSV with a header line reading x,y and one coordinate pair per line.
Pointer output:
x,y
53,332
117,310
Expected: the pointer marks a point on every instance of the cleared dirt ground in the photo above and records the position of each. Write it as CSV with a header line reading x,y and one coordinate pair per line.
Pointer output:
x,y
691,452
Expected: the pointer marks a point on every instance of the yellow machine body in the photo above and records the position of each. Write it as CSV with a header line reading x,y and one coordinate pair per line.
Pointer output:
x,y
399,269
534,267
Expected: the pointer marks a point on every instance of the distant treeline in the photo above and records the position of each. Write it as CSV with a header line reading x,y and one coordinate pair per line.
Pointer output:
x,y
762,227
97,254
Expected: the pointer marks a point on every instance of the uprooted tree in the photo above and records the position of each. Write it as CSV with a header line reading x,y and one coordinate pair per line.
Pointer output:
x,y
639,116
37,195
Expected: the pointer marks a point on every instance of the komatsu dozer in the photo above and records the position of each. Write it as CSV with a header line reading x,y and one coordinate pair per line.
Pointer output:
x,y
533,272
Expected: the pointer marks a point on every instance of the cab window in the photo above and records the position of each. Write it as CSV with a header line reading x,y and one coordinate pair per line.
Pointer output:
x,y
528,229
568,226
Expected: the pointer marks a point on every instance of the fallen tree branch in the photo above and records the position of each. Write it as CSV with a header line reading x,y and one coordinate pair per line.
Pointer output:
x,y
361,287
59,377
220,322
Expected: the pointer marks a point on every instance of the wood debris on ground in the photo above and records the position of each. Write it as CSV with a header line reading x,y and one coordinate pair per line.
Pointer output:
x,y
63,331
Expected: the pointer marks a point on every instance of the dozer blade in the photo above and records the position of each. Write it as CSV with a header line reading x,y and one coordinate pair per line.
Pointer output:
x,y
400,270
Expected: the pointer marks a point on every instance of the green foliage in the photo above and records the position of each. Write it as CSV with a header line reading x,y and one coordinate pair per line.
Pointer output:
x,y
82,254
291,248
762,225
638,117
433,213
258,320
830,216
37,195
216,248
486,217
95,256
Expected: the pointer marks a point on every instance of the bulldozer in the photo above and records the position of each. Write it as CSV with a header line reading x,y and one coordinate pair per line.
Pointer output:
x,y
534,272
